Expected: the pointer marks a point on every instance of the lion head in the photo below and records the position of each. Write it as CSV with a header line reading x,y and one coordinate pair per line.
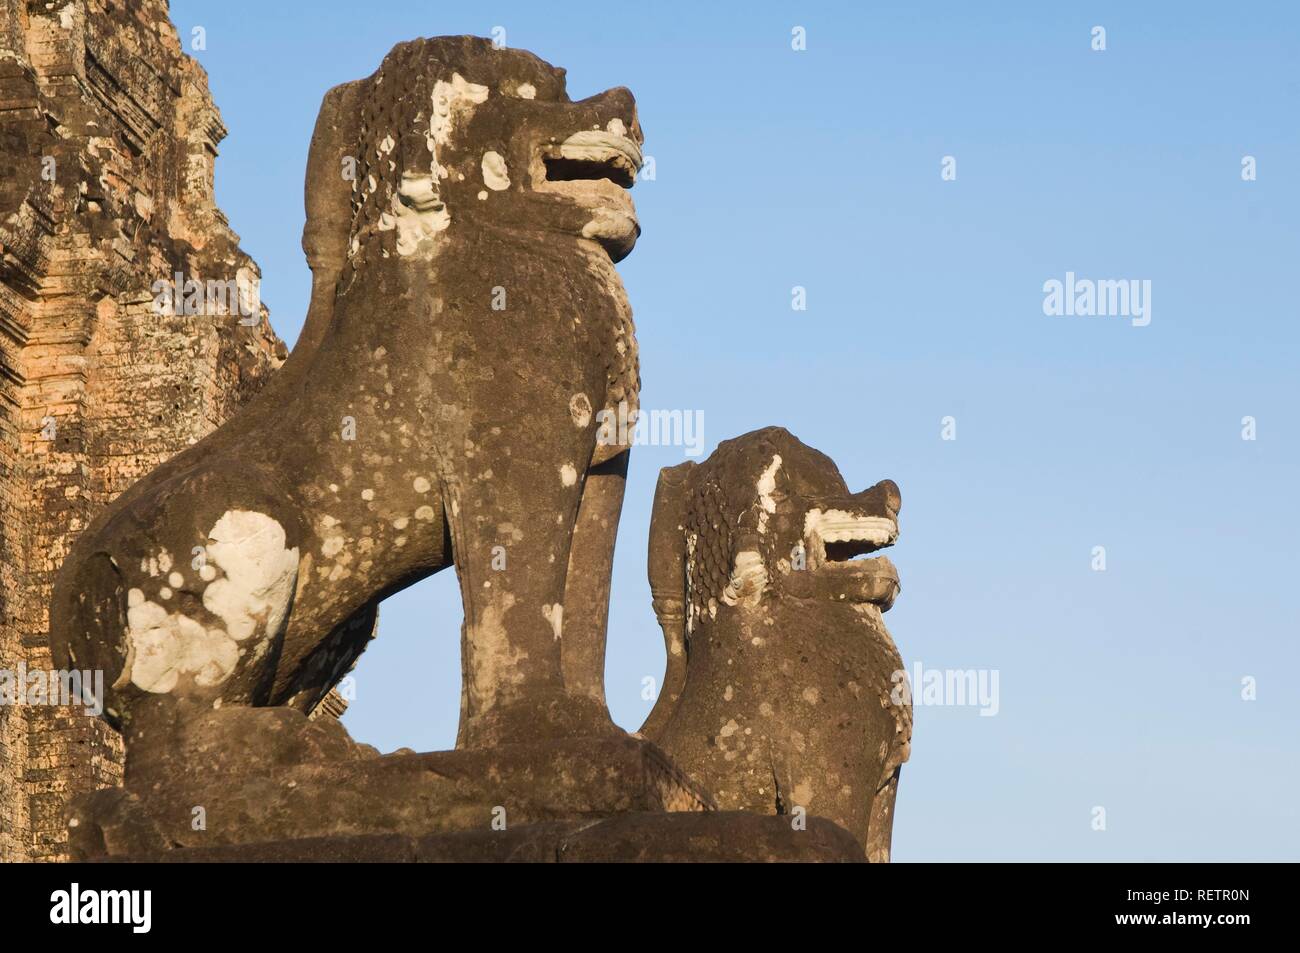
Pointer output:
x,y
765,517
453,134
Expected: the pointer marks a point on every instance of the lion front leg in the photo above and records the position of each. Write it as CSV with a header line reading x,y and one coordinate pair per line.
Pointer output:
x,y
586,589
512,528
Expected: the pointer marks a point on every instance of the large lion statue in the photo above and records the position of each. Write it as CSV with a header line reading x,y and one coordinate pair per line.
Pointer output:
x,y
466,327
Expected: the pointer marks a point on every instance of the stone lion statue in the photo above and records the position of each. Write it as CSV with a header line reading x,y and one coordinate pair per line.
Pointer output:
x,y
777,694
466,327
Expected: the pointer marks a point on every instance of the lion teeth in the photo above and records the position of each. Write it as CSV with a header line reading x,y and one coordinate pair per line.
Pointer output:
x,y
839,526
593,145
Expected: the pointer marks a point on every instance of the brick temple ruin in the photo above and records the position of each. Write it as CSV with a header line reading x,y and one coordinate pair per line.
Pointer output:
x,y
108,136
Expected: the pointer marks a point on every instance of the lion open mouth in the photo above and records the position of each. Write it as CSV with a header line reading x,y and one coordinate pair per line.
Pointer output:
x,y
594,170
834,538
592,155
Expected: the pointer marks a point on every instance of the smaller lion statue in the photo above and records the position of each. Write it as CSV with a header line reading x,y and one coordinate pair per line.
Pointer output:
x,y
780,684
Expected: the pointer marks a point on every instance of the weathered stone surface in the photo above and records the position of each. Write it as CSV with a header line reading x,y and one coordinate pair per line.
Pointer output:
x,y
482,224
107,144
466,329
733,837
780,671
271,774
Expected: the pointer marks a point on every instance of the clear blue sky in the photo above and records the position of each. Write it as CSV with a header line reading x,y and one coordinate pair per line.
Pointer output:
x,y
821,168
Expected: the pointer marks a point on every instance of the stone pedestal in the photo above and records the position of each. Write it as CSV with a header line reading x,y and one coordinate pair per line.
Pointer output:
x,y
413,795
644,837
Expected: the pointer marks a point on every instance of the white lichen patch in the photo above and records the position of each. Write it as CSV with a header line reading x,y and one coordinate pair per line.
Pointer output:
x,y
493,664
748,580
417,212
555,616
568,475
421,485
260,573
526,91
766,487
162,647
451,100
691,608
580,410
495,174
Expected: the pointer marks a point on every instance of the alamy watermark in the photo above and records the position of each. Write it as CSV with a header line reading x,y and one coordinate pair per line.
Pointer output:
x,y
23,686
654,428
1104,297
241,295
947,687
133,908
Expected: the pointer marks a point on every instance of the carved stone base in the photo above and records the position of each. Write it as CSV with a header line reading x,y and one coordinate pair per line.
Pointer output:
x,y
252,776
646,837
